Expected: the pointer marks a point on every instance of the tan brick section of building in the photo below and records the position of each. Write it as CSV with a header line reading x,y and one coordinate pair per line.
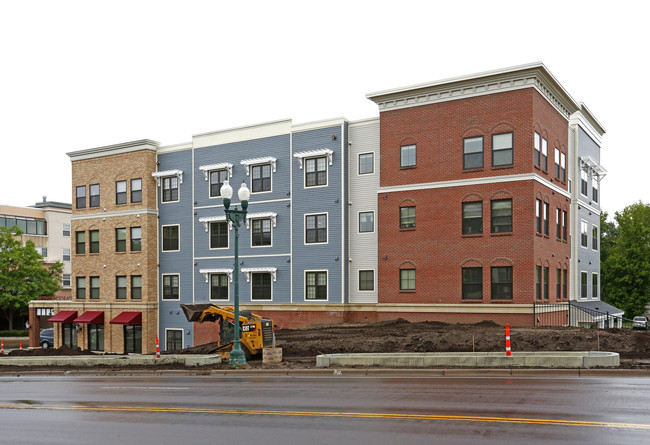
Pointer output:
x,y
118,170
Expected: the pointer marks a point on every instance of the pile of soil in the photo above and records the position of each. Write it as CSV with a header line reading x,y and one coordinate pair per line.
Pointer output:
x,y
63,350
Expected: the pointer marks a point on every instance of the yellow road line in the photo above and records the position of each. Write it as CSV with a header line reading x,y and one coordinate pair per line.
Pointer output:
x,y
335,414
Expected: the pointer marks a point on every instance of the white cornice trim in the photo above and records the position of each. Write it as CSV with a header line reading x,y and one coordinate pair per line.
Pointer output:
x,y
318,124
534,75
114,214
473,182
581,120
363,122
588,207
175,147
246,133
109,150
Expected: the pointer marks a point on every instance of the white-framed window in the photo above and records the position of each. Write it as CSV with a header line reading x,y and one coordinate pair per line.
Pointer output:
x,y
261,233
594,285
584,178
261,286
538,151
173,339
366,280
94,195
219,235
584,233
408,155
316,285
407,279
66,255
563,168
557,163
66,280
502,149
171,286
366,163
544,154
171,238
594,237
136,190
316,171
169,182
366,222
66,229
316,228
583,284
473,153
594,188
219,287
217,178
120,192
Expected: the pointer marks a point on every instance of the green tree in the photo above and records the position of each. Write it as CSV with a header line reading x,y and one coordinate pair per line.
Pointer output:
x,y
23,276
625,259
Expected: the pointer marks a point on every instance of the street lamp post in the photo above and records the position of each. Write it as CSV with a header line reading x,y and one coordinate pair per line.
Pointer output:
x,y
236,216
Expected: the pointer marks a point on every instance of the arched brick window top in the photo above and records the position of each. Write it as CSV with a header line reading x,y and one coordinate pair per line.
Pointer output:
x,y
407,202
121,176
408,264
80,273
471,262
503,127
538,262
93,273
537,128
558,265
547,263
539,196
93,227
471,197
408,141
120,272
501,194
501,261
473,132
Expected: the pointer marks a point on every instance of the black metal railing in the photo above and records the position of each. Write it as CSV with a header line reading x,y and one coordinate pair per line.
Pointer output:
x,y
571,314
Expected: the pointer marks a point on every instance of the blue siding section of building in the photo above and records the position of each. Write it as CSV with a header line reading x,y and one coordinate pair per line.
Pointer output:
x,y
317,200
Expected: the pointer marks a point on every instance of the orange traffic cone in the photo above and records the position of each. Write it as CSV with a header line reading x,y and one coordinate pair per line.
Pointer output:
x,y
21,345
157,348
2,347
508,350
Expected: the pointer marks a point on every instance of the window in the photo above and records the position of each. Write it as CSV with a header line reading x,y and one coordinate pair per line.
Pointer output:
x,y
366,280
120,240
94,195
366,222
94,241
565,283
261,178
502,283
472,218
218,286
66,229
562,167
583,233
564,225
136,239
472,283
136,287
261,232
407,217
66,255
170,238
501,215
96,337
408,155
366,163
316,228
174,339
120,287
594,189
502,149
136,190
557,163
558,223
219,235
546,289
315,171
473,153
538,216
546,218
538,282
316,286
81,196
81,288
42,251
594,237
583,285
407,279
583,182
132,339
170,287
120,192
594,285
538,151
217,178
544,154
170,189
94,288
261,288
558,283
66,280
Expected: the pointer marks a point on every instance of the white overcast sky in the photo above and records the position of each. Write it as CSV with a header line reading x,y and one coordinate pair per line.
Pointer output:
x,y
83,74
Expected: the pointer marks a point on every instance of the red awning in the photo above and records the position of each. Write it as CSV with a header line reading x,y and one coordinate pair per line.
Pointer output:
x,y
130,318
63,317
94,317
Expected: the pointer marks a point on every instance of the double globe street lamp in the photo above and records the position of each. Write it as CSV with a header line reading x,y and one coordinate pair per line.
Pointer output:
x,y
236,217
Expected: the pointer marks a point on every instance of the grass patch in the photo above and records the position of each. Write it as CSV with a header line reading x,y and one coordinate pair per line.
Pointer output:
x,y
14,333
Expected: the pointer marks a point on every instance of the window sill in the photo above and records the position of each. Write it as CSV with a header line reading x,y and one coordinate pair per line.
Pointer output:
x,y
501,234
471,301
410,229
407,291
501,167
471,170
408,167
494,300
538,234
472,235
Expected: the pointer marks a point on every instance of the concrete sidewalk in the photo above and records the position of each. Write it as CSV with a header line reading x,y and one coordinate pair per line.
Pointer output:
x,y
85,361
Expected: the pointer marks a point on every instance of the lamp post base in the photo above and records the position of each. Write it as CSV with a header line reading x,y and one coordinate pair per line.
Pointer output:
x,y
237,356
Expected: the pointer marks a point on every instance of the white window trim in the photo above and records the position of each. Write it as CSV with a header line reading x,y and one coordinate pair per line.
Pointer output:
x,y
301,156
219,272
248,270
207,272
206,169
584,223
594,226
63,230
581,297
174,329
69,285
162,239
166,173
162,191
327,298
262,215
162,287
248,163
374,280
373,163
586,180
327,221
359,223
304,177
63,254
206,220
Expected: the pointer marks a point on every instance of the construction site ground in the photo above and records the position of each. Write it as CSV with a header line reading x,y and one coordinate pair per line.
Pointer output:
x,y
301,346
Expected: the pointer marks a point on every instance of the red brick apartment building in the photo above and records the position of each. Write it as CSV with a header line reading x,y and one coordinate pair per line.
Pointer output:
x,y
472,210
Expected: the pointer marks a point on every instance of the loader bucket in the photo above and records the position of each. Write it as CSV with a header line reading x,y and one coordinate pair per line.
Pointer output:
x,y
193,311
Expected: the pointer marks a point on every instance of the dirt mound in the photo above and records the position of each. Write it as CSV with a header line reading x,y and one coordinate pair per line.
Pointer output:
x,y
63,350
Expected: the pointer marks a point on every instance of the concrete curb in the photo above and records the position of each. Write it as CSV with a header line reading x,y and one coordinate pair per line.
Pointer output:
x,y
83,361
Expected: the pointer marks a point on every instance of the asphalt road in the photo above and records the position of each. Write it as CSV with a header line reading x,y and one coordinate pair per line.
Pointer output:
x,y
323,410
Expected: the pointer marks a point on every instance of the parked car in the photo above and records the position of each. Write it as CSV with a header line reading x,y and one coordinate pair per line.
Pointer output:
x,y
640,322
47,338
